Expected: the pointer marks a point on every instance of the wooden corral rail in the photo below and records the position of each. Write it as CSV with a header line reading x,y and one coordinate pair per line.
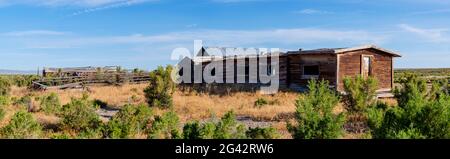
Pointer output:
x,y
81,81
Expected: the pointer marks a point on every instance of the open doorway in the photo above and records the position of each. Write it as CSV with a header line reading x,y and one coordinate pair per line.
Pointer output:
x,y
366,68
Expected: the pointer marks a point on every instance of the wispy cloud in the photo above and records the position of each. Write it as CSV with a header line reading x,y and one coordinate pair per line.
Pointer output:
x,y
191,25
112,5
312,11
236,1
434,35
85,6
55,3
436,11
34,33
217,37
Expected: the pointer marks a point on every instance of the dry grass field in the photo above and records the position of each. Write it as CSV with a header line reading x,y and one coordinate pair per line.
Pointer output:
x,y
189,106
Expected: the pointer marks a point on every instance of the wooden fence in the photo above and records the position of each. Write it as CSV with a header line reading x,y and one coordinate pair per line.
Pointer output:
x,y
81,81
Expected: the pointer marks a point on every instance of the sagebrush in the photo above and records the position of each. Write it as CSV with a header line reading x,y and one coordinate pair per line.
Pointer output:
x,y
420,114
314,115
128,122
360,93
22,126
165,127
159,92
79,116
51,104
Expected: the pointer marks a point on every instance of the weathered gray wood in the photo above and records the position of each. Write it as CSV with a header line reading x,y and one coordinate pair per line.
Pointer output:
x,y
80,81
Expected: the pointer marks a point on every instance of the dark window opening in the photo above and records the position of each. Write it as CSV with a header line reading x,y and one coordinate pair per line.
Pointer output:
x,y
213,72
247,70
311,70
181,72
270,72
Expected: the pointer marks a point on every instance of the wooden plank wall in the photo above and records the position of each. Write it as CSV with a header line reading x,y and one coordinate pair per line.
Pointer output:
x,y
327,66
350,66
226,68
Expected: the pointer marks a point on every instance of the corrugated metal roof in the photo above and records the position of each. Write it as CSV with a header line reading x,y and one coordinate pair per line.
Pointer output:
x,y
315,51
219,51
231,51
395,54
344,50
207,54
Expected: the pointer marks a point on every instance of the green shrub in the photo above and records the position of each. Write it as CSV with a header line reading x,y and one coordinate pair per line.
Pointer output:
x,y
261,102
51,104
412,88
159,92
262,133
5,86
419,114
226,128
91,133
79,115
360,93
314,115
60,136
23,101
192,130
2,113
438,87
410,133
229,128
4,101
22,126
208,130
375,117
23,80
128,122
134,98
20,80
165,127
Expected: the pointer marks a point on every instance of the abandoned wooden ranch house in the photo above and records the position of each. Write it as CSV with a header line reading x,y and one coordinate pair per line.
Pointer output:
x,y
296,68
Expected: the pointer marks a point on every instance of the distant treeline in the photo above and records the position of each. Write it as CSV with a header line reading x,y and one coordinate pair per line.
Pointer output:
x,y
425,71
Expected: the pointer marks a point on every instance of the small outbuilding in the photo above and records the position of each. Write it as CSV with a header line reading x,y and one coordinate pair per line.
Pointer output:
x,y
335,64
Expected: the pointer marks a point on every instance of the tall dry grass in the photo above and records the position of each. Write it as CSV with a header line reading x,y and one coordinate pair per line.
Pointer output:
x,y
188,105
201,106
115,96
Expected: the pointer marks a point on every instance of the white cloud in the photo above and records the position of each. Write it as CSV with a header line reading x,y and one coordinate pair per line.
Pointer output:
x,y
34,33
235,1
56,3
117,4
238,38
434,35
191,25
312,11
436,11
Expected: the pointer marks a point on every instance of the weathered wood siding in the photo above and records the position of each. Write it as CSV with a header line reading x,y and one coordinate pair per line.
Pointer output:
x,y
327,67
332,67
228,69
350,66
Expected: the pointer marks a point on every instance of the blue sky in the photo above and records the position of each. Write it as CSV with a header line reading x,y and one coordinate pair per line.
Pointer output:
x,y
143,33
